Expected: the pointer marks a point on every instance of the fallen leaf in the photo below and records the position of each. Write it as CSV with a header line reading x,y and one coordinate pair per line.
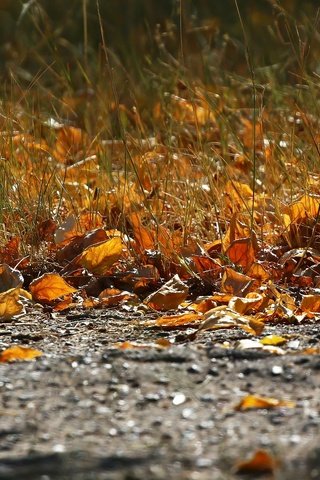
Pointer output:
x,y
9,278
173,321
16,352
255,402
274,340
249,304
260,462
10,304
310,303
235,283
49,287
100,257
169,296
242,252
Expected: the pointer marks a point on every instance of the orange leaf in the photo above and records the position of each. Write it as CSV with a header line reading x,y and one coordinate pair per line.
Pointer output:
x,y
100,257
48,287
174,321
235,283
255,402
310,303
16,352
260,462
10,304
242,252
169,296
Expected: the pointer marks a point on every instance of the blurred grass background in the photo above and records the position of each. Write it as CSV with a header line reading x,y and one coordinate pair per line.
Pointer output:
x,y
41,35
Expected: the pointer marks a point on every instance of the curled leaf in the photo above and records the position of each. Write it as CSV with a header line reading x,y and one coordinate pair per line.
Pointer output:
x,y
169,296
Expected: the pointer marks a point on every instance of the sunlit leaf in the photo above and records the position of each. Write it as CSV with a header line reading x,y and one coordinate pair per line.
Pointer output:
x,y
249,304
16,352
241,252
169,296
273,340
49,287
99,258
175,321
10,304
260,462
255,402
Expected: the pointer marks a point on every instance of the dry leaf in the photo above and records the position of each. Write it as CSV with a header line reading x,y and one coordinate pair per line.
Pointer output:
x,y
260,462
16,352
9,278
100,257
255,402
235,283
174,321
251,303
310,303
274,340
10,304
49,287
169,296
242,252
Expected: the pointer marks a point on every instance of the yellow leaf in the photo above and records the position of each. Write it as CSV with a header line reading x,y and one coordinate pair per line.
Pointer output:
x,y
49,287
100,257
255,402
273,340
169,296
16,352
10,304
310,303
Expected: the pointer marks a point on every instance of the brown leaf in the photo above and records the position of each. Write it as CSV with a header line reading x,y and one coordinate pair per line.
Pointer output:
x,y
169,296
255,402
49,287
310,303
235,283
242,252
100,257
9,278
10,304
260,462
247,305
16,352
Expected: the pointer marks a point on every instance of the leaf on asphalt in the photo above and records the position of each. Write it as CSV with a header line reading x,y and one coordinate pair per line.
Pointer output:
x,y
247,343
224,317
260,462
310,303
274,340
235,283
169,296
10,304
111,297
176,321
16,352
256,402
9,278
99,258
49,287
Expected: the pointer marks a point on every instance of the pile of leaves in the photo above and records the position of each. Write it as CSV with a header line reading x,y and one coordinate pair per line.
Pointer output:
x,y
212,221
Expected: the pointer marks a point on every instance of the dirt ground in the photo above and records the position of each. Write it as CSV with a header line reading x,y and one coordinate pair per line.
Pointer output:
x,y
89,410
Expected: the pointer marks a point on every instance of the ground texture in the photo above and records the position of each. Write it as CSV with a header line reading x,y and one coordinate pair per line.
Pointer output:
x,y
89,410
